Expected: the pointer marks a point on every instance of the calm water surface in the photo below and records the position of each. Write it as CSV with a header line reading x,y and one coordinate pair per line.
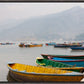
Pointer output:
x,y
13,53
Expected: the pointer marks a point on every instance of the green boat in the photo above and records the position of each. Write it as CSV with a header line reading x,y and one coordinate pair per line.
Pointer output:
x,y
58,65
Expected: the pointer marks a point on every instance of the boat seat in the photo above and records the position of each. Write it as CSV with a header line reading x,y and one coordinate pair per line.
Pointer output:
x,y
40,70
28,68
43,64
66,66
56,64
63,65
21,67
60,65
47,62
53,64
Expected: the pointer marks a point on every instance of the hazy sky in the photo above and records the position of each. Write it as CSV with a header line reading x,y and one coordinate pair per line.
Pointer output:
x,y
28,10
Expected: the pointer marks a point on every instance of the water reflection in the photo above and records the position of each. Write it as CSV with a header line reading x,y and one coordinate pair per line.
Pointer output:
x,y
77,50
61,47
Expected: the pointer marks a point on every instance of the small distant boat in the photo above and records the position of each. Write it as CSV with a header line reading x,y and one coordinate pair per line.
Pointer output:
x,y
77,48
59,65
28,73
2,43
30,45
67,45
63,56
7,43
50,44
35,45
77,62
21,45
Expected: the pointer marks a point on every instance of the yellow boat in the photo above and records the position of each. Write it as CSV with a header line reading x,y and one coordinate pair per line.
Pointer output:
x,y
28,73
21,45
35,45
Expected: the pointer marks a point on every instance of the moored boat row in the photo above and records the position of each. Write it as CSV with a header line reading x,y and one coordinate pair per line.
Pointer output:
x,y
47,71
7,43
30,45
50,68
67,45
73,46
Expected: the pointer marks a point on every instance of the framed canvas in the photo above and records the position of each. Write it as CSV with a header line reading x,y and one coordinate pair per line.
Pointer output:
x,y
31,28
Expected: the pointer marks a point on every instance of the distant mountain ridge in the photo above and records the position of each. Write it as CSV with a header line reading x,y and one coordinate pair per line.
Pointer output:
x,y
66,25
80,37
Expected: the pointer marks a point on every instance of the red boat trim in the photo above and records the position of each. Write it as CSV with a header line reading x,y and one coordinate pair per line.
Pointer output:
x,y
62,56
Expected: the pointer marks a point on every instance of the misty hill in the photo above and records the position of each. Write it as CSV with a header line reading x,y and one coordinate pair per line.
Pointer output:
x,y
66,24
80,37
7,24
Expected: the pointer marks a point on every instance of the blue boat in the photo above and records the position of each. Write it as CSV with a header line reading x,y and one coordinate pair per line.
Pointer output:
x,y
67,45
76,62
77,48
61,45
51,43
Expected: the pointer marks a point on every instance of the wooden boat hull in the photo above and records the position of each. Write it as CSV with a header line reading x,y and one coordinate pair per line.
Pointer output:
x,y
66,46
7,43
23,76
78,63
21,45
77,48
44,78
58,65
38,45
61,46
64,56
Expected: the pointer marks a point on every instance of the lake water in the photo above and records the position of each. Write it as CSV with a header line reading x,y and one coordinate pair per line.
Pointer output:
x,y
13,53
